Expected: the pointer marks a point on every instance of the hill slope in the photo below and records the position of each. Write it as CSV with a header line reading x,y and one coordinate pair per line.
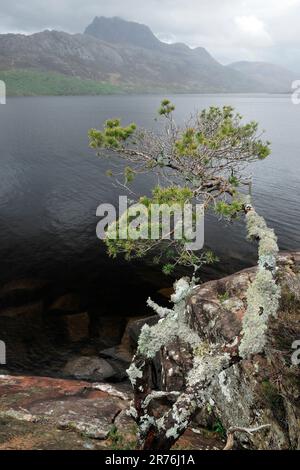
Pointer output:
x,y
32,83
127,55
271,76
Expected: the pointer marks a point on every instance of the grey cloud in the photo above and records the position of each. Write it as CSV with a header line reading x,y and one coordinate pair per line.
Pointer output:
x,y
231,30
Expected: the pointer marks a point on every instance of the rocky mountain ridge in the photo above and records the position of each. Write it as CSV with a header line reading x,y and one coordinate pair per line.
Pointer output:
x,y
128,54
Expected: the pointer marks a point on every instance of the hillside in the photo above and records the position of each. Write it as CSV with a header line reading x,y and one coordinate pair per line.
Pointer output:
x,y
269,75
32,83
124,55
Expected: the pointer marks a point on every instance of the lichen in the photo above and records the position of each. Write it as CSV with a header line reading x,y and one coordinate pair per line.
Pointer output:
x,y
161,311
206,367
257,228
263,294
172,325
134,373
211,364
224,381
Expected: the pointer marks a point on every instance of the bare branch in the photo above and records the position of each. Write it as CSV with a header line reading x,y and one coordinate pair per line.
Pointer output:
x,y
231,431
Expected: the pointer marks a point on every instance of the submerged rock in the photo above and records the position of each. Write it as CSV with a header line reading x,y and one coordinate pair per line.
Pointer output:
x,y
77,326
89,368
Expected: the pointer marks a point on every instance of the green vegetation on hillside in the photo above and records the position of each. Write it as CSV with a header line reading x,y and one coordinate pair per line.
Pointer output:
x,y
35,83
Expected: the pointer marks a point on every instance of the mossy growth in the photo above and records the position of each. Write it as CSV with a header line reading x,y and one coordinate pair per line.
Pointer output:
x,y
270,392
219,428
223,297
117,440
275,401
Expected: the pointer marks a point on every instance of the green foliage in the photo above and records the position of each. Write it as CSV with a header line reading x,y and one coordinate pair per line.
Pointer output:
x,y
166,108
218,128
36,83
229,210
234,181
168,269
202,161
170,252
129,174
170,195
223,297
113,135
219,429
118,442
189,142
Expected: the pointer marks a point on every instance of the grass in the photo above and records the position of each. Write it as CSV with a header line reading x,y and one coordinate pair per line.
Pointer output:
x,y
223,297
219,429
35,83
119,442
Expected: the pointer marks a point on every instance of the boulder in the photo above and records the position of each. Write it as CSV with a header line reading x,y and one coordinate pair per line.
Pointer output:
x,y
66,304
55,404
28,311
41,413
134,328
89,368
124,351
117,353
109,329
22,291
262,389
77,326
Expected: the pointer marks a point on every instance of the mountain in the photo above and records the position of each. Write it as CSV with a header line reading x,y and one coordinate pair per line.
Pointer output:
x,y
117,31
125,55
270,76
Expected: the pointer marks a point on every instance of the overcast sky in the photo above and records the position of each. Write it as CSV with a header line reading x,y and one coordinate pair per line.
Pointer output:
x,y
230,29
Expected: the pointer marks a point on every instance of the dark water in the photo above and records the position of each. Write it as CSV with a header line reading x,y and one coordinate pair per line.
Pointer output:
x,y
51,184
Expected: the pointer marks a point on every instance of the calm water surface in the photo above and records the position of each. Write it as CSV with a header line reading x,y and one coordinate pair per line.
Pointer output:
x,y
51,183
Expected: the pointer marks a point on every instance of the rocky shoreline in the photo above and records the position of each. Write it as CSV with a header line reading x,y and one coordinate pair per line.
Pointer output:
x,y
43,413
83,402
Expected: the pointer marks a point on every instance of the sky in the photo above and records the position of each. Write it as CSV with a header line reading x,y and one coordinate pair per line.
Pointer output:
x,y
231,30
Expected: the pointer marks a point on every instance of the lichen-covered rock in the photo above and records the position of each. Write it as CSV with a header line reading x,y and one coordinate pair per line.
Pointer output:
x,y
262,388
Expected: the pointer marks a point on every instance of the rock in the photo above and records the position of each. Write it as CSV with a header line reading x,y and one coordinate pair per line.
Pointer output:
x,y
134,328
43,413
22,291
77,326
28,311
119,357
92,417
125,431
89,368
263,389
110,329
125,350
166,292
113,391
52,404
66,304
117,353
177,365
